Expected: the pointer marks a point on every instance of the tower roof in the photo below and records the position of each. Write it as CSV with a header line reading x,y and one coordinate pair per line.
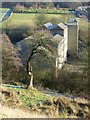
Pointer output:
x,y
72,22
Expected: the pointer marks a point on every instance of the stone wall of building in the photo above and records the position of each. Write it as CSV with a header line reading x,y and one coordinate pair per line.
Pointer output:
x,y
73,38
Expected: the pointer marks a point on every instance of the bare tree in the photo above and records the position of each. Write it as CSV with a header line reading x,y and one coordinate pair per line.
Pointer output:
x,y
42,40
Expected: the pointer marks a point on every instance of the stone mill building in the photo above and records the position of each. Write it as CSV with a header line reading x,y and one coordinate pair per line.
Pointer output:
x,y
67,36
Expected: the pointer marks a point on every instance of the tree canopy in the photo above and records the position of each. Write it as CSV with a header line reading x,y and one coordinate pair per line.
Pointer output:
x,y
11,61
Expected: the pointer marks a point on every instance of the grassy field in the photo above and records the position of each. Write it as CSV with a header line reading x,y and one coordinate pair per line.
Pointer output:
x,y
1,14
83,24
3,10
29,19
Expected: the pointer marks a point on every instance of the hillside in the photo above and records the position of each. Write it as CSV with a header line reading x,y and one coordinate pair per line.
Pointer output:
x,y
41,103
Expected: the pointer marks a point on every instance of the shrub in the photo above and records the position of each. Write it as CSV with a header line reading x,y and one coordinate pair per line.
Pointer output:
x,y
72,82
18,33
11,62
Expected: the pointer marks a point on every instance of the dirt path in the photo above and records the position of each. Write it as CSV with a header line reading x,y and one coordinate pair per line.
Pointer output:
x,y
7,112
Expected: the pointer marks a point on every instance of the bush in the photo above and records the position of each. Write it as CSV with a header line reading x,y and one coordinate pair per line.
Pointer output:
x,y
11,63
18,33
72,82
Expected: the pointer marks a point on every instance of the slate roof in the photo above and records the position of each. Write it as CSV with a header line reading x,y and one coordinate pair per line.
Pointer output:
x,y
50,26
53,28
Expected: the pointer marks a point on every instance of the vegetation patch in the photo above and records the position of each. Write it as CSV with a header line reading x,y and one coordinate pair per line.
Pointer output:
x,y
39,102
3,10
9,97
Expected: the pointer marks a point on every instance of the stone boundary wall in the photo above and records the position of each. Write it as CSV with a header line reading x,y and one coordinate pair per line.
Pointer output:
x,y
6,15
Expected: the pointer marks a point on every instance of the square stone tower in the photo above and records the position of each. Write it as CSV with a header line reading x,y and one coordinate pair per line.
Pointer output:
x,y
72,37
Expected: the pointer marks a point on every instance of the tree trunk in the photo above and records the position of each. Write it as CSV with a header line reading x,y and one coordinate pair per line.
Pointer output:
x,y
30,75
30,81
56,68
